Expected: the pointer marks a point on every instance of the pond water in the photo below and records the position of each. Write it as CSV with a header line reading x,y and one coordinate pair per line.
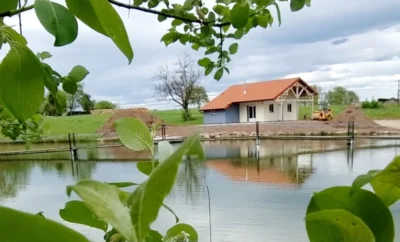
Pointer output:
x,y
254,196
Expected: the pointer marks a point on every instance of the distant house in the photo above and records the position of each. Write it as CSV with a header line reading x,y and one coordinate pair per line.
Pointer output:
x,y
388,100
275,100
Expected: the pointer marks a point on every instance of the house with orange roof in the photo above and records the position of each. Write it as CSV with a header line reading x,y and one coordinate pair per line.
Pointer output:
x,y
276,100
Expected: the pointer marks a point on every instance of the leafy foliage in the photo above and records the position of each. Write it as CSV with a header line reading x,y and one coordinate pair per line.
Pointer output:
x,y
340,95
104,105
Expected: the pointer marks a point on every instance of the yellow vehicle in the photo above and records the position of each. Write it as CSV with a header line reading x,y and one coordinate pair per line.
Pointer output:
x,y
323,114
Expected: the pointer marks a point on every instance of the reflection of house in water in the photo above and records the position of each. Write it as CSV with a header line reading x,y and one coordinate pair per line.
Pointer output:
x,y
277,162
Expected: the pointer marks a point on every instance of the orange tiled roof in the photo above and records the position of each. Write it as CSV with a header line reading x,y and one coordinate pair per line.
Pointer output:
x,y
257,91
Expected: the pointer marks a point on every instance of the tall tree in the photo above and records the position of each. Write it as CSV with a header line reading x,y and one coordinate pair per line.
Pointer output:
x,y
340,95
86,102
199,96
179,84
319,95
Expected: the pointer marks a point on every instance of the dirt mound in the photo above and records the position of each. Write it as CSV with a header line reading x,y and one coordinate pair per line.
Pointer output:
x,y
140,113
353,114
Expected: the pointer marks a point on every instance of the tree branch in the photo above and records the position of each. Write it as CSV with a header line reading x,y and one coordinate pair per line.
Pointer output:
x,y
11,13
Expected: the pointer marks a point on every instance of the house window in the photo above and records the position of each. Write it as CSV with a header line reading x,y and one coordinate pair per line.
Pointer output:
x,y
251,112
289,108
213,112
271,108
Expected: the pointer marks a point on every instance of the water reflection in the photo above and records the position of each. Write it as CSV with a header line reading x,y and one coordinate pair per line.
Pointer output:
x,y
248,187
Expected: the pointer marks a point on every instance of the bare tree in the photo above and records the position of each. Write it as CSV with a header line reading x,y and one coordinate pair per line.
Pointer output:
x,y
179,84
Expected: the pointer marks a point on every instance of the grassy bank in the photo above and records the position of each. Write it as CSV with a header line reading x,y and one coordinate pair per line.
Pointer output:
x,y
384,112
174,116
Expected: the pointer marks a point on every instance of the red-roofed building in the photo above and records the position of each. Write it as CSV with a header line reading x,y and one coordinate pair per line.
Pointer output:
x,y
275,100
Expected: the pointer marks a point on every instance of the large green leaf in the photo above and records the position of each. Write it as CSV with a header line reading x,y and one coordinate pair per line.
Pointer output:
x,y
218,74
21,82
14,36
103,18
78,73
78,212
57,20
296,5
337,225
49,81
240,15
233,48
386,183
70,86
148,198
165,149
147,167
61,102
134,134
103,200
184,232
122,184
363,204
16,226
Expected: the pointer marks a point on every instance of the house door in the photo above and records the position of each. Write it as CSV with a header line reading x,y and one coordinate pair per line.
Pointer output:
x,y
251,113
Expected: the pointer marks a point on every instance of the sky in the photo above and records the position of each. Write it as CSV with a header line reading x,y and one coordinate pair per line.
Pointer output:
x,y
355,44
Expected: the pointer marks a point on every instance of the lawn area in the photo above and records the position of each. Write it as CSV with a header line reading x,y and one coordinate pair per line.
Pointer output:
x,y
82,124
306,110
174,116
384,112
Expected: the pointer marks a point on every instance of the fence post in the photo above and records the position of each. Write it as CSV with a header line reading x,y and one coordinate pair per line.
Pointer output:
x,y
70,147
163,134
257,133
74,149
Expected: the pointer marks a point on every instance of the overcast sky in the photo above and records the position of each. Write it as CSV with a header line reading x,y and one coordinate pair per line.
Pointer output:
x,y
354,43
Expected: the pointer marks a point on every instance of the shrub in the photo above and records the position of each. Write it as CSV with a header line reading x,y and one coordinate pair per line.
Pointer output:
x,y
370,104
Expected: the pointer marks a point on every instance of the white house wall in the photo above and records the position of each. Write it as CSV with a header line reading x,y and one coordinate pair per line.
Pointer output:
x,y
259,111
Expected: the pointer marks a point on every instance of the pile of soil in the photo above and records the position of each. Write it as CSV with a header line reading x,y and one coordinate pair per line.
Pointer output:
x,y
353,114
140,113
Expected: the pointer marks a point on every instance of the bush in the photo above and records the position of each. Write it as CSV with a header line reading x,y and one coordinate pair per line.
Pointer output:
x,y
104,105
370,104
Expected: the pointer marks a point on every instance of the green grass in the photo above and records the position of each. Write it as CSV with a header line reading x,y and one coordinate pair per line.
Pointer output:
x,y
174,116
384,112
306,110
80,124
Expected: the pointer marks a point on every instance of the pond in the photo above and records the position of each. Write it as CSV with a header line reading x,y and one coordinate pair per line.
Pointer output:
x,y
255,196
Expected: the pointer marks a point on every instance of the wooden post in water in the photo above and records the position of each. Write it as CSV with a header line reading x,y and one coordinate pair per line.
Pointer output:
x,y
257,137
70,147
74,149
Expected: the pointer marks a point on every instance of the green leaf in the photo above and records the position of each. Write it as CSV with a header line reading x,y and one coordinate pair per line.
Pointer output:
x,y
84,11
227,70
218,74
238,34
78,73
21,82
19,226
196,46
240,15
153,3
211,17
122,184
176,22
188,5
10,33
211,50
296,5
170,38
154,236
219,9
148,198
226,28
61,102
337,225
146,167
49,82
197,151
205,30
78,212
57,20
184,38
386,183
103,200
308,3
362,180
278,11
103,18
161,18
44,55
208,70
233,48
363,204
134,134
70,87
165,150
172,212
178,230
263,21
204,62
